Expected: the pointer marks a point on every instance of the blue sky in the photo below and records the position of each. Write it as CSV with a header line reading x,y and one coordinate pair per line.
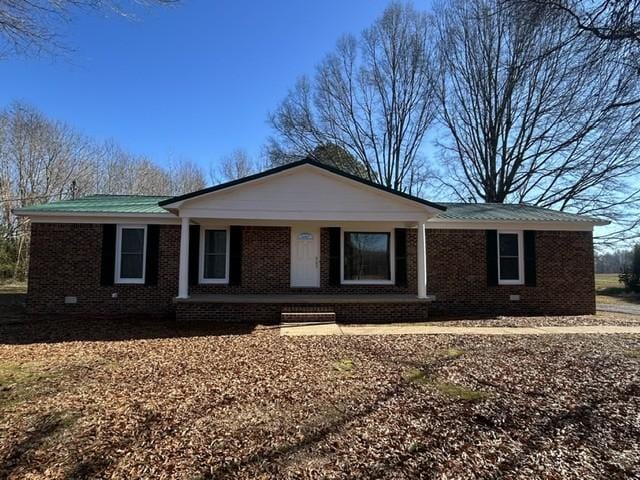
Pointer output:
x,y
194,81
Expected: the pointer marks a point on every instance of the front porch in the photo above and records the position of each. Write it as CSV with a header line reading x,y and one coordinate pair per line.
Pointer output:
x,y
364,262
300,238
262,284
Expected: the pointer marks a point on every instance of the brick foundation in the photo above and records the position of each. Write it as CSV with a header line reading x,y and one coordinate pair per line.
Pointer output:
x,y
65,261
270,313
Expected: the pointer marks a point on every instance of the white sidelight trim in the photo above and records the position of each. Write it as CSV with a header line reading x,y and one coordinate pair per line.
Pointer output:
x,y
392,257
201,257
520,279
183,279
118,268
422,261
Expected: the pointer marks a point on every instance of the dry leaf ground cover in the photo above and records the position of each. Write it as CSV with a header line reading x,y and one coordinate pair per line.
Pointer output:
x,y
601,318
104,399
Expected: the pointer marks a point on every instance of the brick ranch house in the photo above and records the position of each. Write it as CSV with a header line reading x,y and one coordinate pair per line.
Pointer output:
x,y
306,241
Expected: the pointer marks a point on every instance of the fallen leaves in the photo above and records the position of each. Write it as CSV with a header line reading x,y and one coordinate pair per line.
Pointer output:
x,y
153,400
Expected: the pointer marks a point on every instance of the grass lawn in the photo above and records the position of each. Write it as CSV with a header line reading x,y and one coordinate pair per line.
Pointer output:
x,y
610,290
82,398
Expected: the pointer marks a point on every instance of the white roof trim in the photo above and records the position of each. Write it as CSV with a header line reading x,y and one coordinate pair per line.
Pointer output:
x,y
156,219
438,224
169,219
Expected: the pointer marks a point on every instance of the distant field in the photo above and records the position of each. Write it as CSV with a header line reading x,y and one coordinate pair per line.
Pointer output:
x,y
13,287
610,290
607,280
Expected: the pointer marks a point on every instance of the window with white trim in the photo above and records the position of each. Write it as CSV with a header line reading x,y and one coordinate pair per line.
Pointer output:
x,y
131,246
510,258
366,257
214,255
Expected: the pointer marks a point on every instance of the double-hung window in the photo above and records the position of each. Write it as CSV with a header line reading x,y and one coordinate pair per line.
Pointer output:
x,y
131,244
510,258
367,257
214,255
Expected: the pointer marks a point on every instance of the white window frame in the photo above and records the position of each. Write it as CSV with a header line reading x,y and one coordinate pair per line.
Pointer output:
x,y
119,229
520,280
201,278
392,258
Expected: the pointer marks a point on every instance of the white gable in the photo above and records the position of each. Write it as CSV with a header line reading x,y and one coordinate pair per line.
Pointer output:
x,y
303,193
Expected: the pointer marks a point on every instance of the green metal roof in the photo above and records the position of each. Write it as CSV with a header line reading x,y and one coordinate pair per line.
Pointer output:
x,y
138,204
116,204
509,212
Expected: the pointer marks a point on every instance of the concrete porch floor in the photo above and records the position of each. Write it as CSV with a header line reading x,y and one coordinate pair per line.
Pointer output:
x,y
301,298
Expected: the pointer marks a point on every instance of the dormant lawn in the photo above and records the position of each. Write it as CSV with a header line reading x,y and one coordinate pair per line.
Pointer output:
x,y
98,399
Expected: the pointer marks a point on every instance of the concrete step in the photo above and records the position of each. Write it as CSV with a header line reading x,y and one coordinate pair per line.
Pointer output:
x,y
307,317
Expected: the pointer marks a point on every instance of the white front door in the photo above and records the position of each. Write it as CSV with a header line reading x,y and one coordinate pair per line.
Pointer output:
x,y
305,256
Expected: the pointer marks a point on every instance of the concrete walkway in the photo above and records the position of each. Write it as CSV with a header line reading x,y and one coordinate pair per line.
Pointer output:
x,y
302,329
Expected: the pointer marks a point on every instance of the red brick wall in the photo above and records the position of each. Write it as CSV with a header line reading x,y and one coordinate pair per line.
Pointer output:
x,y
65,261
266,266
265,263
457,275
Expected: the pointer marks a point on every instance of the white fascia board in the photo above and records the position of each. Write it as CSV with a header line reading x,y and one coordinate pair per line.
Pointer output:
x,y
436,224
295,215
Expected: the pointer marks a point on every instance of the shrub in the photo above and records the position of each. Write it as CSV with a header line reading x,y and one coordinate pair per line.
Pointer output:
x,y
631,275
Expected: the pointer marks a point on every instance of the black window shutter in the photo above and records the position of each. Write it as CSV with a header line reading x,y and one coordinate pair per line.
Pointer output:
x,y
108,263
153,250
492,258
194,254
334,256
235,255
401,256
530,258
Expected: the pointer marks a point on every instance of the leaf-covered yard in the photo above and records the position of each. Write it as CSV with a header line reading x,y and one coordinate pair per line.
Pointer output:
x,y
151,400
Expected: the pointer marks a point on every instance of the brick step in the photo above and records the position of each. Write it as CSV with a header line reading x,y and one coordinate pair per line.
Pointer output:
x,y
307,317
307,308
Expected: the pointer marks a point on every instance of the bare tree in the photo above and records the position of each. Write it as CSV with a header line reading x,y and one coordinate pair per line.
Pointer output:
x,y
117,171
236,165
329,154
40,157
611,20
527,109
120,172
185,176
42,160
614,25
372,97
35,25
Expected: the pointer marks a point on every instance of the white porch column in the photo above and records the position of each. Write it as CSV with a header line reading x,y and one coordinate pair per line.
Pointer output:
x,y
422,261
183,279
